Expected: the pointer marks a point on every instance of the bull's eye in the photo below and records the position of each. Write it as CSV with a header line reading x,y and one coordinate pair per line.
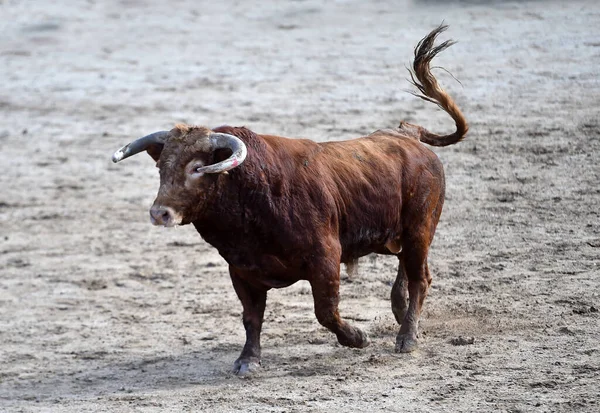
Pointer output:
x,y
197,169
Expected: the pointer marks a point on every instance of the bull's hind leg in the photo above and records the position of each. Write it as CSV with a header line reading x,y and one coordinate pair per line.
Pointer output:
x,y
414,261
399,294
420,222
325,284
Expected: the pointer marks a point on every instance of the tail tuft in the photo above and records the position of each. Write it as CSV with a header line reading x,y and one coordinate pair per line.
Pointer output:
x,y
426,83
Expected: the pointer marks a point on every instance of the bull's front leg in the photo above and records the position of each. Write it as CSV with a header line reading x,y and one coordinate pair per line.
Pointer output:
x,y
325,284
253,300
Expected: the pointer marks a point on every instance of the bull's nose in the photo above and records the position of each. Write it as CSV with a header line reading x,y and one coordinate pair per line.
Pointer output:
x,y
161,215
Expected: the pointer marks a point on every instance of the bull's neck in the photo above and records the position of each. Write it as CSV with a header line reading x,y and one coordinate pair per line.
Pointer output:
x,y
241,194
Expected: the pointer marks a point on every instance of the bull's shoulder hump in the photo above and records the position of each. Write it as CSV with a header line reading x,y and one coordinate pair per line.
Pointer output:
x,y
291,146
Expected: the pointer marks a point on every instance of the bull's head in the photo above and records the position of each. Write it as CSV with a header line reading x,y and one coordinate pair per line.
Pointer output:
x,y
189,159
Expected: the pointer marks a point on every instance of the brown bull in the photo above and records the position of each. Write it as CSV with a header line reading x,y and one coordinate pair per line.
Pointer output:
x,y
294,209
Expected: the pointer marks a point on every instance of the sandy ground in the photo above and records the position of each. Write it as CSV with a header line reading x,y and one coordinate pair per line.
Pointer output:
x,y
100,311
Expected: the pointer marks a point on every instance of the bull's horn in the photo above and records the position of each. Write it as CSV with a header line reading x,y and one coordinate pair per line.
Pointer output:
x,y
225,141
140,145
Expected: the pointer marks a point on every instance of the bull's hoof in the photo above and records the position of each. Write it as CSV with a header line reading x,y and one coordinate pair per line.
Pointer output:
x,y
406,343
244,367
359,339
364,339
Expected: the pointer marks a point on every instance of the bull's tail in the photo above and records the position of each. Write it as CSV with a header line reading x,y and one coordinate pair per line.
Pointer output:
x,y
424,80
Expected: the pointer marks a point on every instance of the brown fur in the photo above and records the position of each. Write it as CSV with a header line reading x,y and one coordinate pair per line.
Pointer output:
x,y
296,209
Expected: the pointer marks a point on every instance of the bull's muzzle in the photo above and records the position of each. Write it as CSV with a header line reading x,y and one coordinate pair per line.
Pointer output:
x,y
165,216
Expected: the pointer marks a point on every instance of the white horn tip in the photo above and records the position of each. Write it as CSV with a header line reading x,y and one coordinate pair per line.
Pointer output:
x,y
118,155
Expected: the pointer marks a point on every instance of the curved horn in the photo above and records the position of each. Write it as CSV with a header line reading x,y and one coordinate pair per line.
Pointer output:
x,y
140,145
226,141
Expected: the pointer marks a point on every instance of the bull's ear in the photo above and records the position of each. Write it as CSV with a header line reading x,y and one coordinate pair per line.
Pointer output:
x,y
154,151
152,143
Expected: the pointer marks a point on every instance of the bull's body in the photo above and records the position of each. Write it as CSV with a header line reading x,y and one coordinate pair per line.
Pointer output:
x,y
293,209
295,199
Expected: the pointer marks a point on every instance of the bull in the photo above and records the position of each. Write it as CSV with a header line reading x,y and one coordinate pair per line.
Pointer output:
x,y
280,210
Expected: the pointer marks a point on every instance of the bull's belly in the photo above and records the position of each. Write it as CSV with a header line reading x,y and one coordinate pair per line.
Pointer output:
x,y
378,236
355,251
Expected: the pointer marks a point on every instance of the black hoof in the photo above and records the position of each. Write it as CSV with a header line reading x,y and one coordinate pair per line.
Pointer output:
x,y
244,367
